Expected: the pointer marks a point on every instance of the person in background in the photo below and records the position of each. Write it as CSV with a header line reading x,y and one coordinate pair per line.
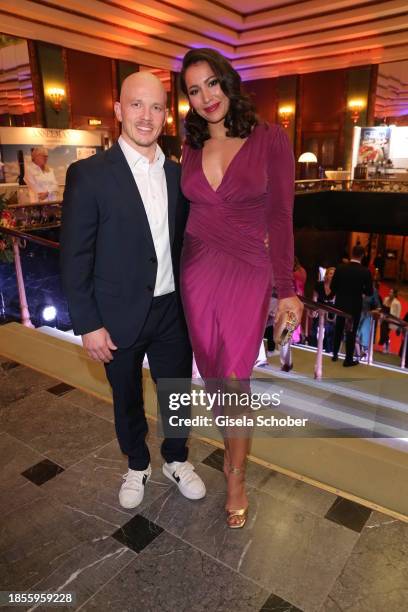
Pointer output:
x,y
299,276
299,281
344,257
392,306
40,178
323,294
370,302
373,269
285,353
268,335
366,257
350,282
402,340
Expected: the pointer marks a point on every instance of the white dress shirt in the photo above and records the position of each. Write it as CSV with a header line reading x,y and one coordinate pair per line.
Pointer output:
x,y
39,181
151,182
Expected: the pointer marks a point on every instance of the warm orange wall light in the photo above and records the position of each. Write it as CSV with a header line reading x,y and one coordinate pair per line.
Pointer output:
x,y
356,105
56,95
285,114
183,108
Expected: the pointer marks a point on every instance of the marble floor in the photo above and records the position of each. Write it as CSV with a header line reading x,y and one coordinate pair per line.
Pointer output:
x,y
62,528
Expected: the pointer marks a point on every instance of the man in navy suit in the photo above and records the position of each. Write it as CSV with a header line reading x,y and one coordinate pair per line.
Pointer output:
x,y
122,229
350,282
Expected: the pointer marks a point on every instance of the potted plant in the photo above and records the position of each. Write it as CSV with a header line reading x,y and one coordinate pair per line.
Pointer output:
x,y
6,220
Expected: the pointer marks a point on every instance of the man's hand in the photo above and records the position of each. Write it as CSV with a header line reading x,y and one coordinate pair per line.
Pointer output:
x,y
98,345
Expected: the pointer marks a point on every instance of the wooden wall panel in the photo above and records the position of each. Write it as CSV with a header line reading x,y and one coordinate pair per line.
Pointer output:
x,y
91,88
264,94
124,69
287,96
358,87
321,119
51,66
322,104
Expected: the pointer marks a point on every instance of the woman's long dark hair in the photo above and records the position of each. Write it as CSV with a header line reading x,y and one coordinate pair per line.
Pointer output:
x,y
241,116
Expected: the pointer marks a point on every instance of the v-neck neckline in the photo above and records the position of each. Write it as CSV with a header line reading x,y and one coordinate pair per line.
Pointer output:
x,y
227,168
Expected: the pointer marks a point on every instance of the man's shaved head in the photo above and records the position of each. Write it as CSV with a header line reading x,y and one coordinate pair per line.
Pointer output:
x,y
145,79
142,111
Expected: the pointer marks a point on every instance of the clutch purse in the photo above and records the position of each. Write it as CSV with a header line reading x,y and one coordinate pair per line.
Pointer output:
x,y
289,326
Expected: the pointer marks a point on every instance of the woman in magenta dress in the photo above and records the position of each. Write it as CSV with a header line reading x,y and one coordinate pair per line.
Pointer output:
x,y
239,177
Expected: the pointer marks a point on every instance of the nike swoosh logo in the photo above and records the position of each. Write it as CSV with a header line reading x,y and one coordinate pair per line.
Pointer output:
x,y
176,478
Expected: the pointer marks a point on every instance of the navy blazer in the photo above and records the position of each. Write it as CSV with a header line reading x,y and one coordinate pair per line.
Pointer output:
x,y
108,259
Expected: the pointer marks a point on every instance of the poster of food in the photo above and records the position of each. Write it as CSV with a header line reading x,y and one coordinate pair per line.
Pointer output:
x,y
374,144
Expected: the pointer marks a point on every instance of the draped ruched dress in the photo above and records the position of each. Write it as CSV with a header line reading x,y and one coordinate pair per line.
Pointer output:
x,y
238,243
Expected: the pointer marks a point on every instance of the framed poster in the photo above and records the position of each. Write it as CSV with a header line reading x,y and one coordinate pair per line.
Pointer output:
x,y
64,147
374,144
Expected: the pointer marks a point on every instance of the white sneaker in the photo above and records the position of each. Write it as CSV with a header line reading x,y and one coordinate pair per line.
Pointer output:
x,y
189,483
132,490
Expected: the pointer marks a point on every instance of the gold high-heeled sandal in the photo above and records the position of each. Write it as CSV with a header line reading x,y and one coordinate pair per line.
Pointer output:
x,y
242,513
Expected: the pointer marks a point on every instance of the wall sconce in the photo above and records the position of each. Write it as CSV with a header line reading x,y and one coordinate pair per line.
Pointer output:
x,y
356,106
170,129
183,109
285,114
56,96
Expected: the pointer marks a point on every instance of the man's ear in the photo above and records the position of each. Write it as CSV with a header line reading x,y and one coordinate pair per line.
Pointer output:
x,y
118,111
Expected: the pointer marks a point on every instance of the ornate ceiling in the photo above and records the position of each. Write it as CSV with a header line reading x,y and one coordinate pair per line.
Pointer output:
x,y
392,90
263,38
